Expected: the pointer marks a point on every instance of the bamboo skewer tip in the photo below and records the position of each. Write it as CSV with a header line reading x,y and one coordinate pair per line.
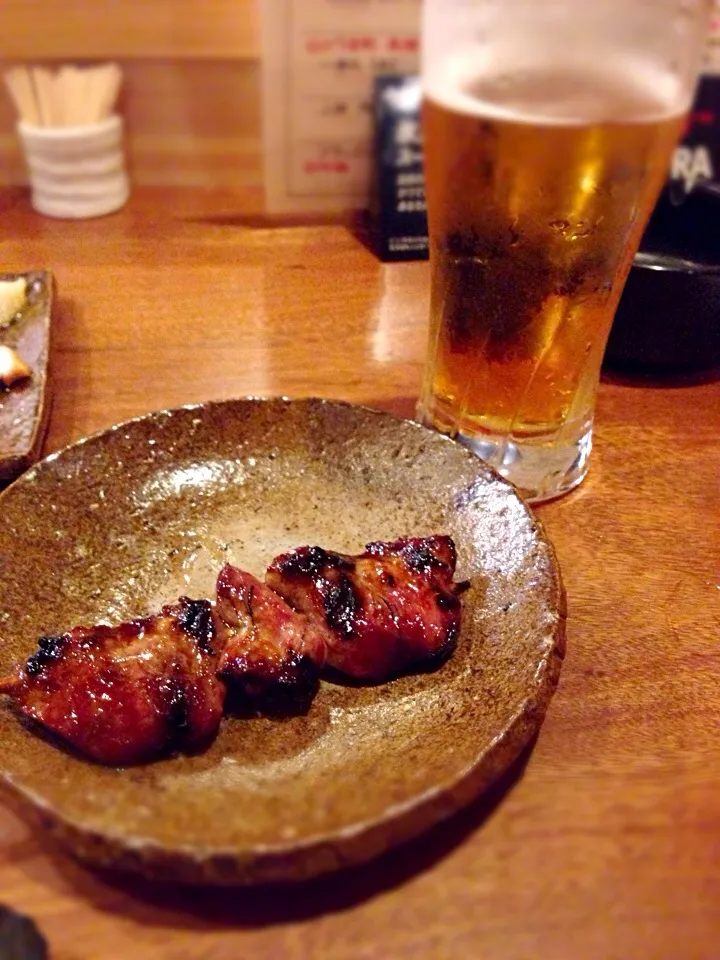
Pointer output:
x,y
70,96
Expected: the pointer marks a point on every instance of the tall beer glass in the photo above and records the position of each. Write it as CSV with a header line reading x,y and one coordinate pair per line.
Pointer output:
x,y
548,130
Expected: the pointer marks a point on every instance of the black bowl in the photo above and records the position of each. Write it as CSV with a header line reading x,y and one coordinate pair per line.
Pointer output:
x,y
669,313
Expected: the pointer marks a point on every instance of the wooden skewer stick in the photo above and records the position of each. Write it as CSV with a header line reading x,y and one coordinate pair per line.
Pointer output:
x,y
20,87
11,683
83,94
73,96
76,95
43,81
110,87
93,84
64,96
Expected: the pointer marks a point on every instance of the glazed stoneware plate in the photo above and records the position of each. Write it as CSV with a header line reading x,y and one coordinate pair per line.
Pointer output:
x,y
120,523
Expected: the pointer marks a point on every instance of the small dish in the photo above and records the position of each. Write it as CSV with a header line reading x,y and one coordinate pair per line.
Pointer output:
x,y
126,520
24,408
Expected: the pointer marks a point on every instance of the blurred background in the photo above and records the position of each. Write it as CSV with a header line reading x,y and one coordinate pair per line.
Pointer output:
x,y
193,86
191,93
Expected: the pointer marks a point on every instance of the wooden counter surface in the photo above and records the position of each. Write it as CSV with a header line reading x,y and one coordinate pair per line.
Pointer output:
x,y
605,842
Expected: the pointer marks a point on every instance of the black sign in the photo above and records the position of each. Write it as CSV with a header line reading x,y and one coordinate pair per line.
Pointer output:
x,y
698,156
398,207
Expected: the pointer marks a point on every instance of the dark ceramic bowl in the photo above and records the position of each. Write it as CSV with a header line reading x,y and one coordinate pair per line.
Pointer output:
x,y
669,314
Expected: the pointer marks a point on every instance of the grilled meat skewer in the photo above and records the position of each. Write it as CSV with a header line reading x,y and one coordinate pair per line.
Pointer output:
x,y
391,608
270,652
129,693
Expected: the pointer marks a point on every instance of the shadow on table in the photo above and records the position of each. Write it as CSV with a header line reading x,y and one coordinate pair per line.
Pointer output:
x,y
268,221
357,224
156,904
402,407
11,197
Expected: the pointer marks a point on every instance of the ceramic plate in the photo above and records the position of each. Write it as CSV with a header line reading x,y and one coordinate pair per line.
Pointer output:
x,y
24,408
124,521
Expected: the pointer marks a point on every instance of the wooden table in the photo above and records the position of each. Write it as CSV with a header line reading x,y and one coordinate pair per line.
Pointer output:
x,y
606,842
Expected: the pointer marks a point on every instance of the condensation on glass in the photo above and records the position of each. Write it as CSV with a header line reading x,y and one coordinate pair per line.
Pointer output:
x,y
548,131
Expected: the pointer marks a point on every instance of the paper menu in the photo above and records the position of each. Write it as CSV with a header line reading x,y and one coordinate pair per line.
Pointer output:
x,y
319,60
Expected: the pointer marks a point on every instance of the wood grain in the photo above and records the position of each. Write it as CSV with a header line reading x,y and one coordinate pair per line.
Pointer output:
x,y
604,844
122,29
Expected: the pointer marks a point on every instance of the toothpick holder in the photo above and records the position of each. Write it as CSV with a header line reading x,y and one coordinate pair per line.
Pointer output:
x,y
76,172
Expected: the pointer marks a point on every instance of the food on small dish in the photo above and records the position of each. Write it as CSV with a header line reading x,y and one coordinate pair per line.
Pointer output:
x,y
129,693
13,368
392,608
269,650
12,299
26,383
336,776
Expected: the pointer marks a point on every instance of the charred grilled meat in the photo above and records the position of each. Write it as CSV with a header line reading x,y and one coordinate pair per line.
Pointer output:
x,y
393,607
270,653
129,693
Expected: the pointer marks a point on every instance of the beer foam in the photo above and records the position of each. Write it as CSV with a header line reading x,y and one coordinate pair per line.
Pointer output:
x,y
556,94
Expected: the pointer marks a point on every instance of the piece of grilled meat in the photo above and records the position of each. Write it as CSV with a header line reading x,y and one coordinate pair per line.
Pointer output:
x,y
129,693
391,608
271,654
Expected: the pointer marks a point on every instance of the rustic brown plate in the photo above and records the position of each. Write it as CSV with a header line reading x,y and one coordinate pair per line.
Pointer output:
x,y
119,523
25,407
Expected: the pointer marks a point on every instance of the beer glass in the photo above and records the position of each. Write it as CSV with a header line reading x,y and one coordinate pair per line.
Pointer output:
x,y
548,129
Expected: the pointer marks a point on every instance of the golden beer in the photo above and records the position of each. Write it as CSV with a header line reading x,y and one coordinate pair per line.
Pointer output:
x,y
539,186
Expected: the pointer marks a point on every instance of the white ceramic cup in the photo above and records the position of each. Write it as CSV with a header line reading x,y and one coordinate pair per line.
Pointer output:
x,y
76,172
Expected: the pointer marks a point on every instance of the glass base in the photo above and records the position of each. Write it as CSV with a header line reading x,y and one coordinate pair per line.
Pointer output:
x,y
541,468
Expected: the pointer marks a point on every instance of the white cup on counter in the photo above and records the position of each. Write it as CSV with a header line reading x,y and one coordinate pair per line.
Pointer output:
x,y
76,172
